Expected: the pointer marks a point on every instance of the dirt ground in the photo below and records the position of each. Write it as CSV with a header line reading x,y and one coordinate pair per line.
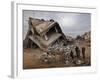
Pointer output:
x,y
32,58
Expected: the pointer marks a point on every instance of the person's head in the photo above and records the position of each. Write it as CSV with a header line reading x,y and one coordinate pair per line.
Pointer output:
x,y
76,46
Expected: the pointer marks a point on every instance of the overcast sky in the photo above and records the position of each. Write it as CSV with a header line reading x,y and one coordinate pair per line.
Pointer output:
x,y
72,24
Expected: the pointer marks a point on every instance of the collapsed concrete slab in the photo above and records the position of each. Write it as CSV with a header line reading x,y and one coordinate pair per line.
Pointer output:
x,y
43,33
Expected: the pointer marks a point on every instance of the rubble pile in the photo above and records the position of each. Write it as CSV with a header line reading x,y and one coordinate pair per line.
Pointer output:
x,y
59,49
48,58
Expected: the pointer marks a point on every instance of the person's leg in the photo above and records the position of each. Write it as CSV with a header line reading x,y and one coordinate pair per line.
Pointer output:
x,y
78,55
83,53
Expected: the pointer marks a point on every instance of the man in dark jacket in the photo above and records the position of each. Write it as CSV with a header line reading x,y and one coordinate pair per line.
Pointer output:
x,y
83,52
77,52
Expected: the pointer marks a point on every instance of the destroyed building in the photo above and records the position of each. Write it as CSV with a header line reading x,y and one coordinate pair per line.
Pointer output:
x,y
43,33
87,35
47,35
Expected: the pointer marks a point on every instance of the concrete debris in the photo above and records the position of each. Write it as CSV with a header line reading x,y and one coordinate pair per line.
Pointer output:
x,y
43,33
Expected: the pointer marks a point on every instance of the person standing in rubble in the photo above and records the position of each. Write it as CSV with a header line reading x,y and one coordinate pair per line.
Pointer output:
x,y
72,54
77,52
83,52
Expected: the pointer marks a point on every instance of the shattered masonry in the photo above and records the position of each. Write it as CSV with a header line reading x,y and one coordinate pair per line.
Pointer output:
x,y
43,33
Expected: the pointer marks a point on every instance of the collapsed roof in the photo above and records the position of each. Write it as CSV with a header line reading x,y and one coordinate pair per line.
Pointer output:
x,y
43,33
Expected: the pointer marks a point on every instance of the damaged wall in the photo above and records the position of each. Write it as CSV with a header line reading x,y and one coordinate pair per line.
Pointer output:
x,y
43,33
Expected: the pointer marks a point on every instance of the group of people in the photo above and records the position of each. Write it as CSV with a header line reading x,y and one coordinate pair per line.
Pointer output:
x,y
78,52
50,57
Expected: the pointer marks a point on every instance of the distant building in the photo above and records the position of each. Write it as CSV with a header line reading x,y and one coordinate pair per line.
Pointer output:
x,y
87,36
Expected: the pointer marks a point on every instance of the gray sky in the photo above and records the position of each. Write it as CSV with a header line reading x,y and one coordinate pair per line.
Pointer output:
x,y
72,24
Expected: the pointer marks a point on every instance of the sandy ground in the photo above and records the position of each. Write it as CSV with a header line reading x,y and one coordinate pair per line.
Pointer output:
x,y
32,58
